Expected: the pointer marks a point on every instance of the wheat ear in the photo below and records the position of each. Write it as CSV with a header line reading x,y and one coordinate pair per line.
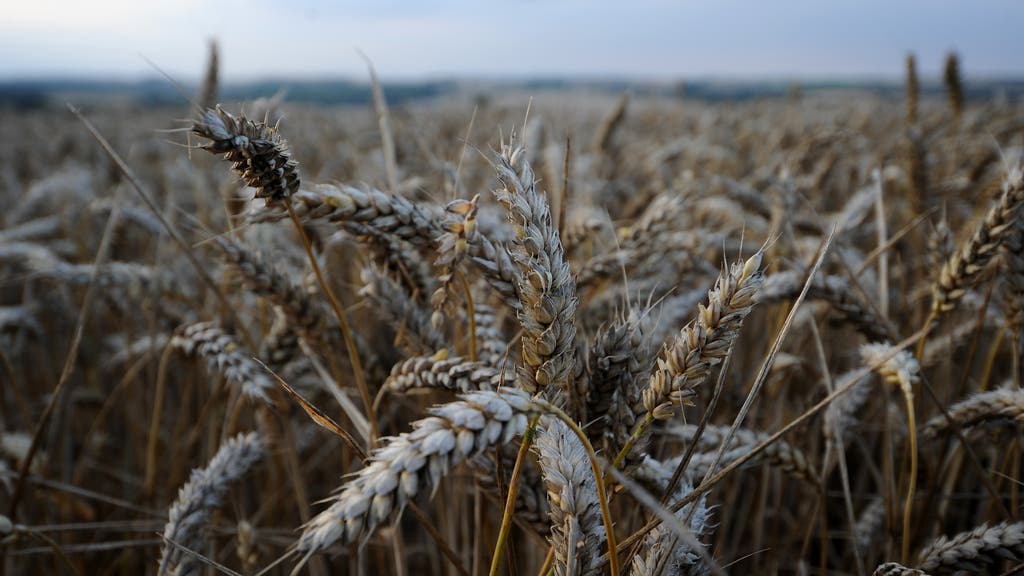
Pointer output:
x,y
576,530
415,461
1002,404
975,550
895,569
441,371
547,292
200,496
964,267
225,356
705,341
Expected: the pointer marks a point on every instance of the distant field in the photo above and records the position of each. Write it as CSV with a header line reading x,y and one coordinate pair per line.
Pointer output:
x,y
157,91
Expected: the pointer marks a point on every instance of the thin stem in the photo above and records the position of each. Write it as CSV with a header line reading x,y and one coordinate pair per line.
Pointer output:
x,y
346,332
510,500
986,374
154,422
927,328
908,507
638,432
442,544
549,561
471,311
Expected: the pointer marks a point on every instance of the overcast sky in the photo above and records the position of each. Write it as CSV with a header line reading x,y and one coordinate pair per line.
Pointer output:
x,y
641,39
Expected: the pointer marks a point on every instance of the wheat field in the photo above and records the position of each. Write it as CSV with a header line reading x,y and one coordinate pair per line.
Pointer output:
x,y
564,333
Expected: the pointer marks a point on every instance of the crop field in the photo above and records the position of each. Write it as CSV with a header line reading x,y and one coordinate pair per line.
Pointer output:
x,y
568,333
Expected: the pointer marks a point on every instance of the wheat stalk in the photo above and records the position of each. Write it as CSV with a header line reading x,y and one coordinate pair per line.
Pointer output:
x,y
903,371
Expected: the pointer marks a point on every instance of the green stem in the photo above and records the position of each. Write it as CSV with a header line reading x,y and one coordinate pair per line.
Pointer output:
x,y
510,500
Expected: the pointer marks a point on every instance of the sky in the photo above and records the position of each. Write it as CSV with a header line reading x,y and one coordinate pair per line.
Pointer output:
x,y
410,40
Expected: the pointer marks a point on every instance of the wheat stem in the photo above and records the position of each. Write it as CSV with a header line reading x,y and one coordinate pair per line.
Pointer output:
x,y
346,331
471,313
510,500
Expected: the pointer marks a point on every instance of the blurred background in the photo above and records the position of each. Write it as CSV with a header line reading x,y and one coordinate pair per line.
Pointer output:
x,y
717,50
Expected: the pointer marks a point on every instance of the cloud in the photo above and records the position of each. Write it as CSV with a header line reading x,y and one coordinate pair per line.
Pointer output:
x,y
643,38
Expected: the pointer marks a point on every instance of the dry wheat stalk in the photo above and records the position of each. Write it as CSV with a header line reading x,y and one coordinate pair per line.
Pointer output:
x,y
786,286
210,88
444,372
1001,404
532,511
225,356
577,534
416,461
974,551
912,89
200,496
963,269
900,369
547,292
705,341
954,87
606,131
257,152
